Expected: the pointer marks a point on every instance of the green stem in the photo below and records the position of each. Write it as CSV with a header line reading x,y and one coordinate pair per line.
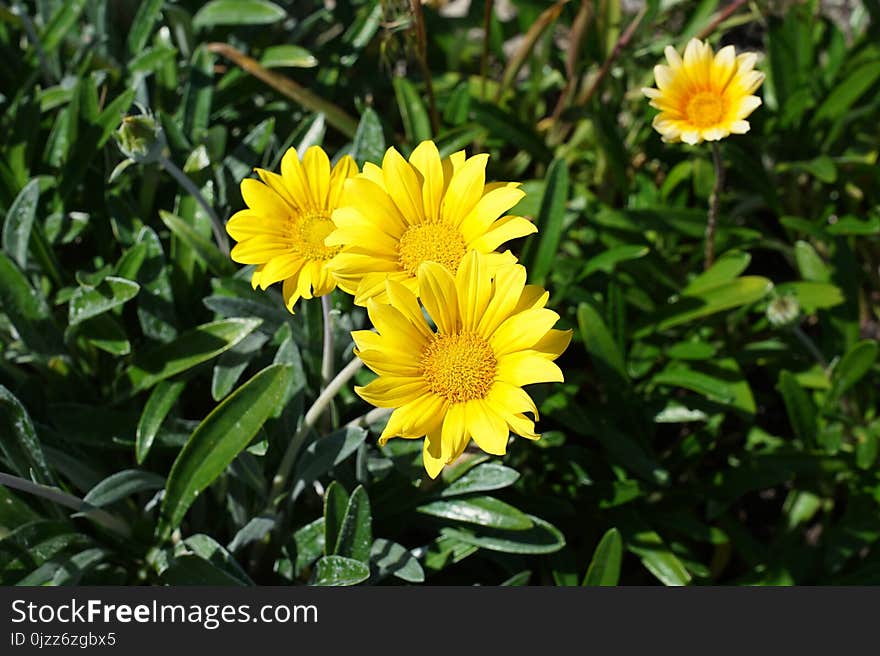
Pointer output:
x,y
100,517
327,356
216,224
714,202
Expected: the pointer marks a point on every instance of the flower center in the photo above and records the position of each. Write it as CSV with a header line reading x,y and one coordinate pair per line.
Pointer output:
x,y
705,109
459,367
431,242
309,233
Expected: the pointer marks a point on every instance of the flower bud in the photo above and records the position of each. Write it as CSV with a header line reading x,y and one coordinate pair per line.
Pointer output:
x,y
783,310
140,138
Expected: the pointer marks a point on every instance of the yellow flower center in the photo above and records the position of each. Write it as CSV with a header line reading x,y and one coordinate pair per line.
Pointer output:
x,y
705,109
431,242
459,367
308,236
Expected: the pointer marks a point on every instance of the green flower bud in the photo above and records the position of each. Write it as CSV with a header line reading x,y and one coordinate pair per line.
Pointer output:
x,y
783,310
140,138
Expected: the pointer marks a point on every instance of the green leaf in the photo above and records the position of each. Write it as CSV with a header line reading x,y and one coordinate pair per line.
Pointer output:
x,y
190,569
356,533
65,570
20,445
812,296
658,559
162,399
599,342
288,56
800,407
61,23
725,296
369,140
412,111
848,91
604,569
309,543
335,505
484,511
88,302
238,12
387,557
106,333
210,550
810,265
218,263
122,484
852,367
223,434
27,310
609,259
20,221
338,570
725,269
147,15
482,478
231,365
323,454
542,538
720,381
190,349
550,219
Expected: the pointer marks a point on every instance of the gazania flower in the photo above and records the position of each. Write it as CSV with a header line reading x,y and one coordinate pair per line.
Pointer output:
x,y
462,379
394,218
287,220
704,96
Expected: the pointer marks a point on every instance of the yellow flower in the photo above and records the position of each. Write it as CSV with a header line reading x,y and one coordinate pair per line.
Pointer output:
x,y
287,220
394,218
463,379
704,96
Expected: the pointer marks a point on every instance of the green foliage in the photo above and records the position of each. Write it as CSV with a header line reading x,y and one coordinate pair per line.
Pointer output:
x,y
701,435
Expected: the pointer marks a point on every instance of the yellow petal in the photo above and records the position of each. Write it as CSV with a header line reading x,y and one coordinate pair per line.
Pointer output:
x,y
280,268
474,289
276,183
426,159
258,250
489,431
391,391
505,229
526,368
490,206
554,343
316,165
405,301
454,434
507,289
390,322
464,191
404,185
439,296
289,292
373,204
263,200
510,399
522,331
432,456
345,168
295,178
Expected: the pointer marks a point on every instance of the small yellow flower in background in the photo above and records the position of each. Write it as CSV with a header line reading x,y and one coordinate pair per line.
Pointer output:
x,y
463,379
394,218
704,96
287,220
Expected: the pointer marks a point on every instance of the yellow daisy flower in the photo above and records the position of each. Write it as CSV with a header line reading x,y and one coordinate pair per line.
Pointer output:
x,y
704,96
394,218
287,220
462,379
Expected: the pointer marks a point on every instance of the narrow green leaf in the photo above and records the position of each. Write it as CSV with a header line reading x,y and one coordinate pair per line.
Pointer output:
x,y
238,12
61,23
810,265
356,533
209,549
88,302
542,538
20,445
725,269
599,342
147,15
725,296
27,310
323,454
812,296
800,407
412,111
20,221
335,505
162,399
658,559
604,569
369,140
123,484
106,333
484,511
190,569
609,259
848,91
190,349
338,570
852,367
218,440
287,56
387,557
218,263
550,219
482,478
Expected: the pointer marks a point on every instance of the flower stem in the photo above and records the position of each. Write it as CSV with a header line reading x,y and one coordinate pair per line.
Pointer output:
x,y
484,57
279,482
327,356
714,199
192,189
100,517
